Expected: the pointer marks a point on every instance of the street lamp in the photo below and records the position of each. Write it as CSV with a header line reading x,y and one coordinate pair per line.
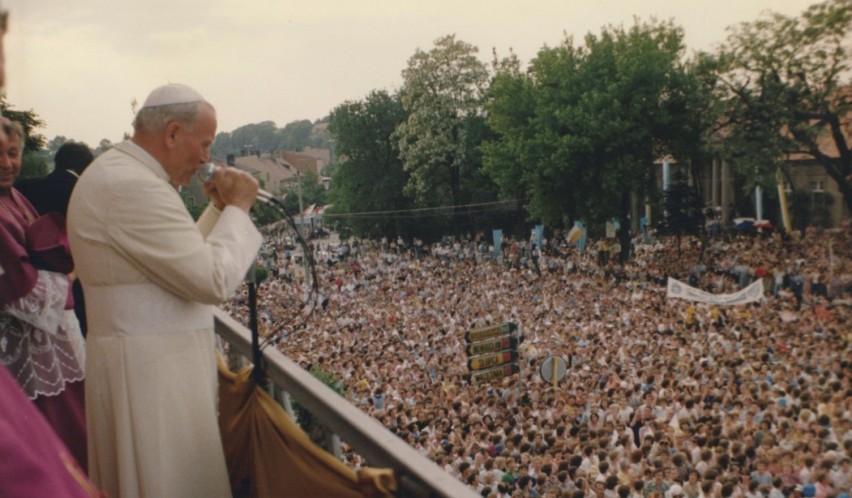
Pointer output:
x,y
301,208
301,226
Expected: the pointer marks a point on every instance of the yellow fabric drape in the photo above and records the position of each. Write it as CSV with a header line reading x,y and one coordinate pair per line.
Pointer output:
x,y
265,448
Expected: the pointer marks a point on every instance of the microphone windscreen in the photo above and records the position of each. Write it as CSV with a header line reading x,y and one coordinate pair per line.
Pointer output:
x,y
206,172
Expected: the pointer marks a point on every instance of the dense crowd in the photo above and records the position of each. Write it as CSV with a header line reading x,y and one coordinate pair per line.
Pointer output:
x,y
662,397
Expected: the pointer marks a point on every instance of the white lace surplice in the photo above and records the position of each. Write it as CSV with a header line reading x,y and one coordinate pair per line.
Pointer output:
x,y
40,341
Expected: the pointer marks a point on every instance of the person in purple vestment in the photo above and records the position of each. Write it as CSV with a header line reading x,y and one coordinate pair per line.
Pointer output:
x,y
40,340
33,461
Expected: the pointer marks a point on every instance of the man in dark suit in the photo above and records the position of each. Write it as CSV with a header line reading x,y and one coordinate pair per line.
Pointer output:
x,y
51,193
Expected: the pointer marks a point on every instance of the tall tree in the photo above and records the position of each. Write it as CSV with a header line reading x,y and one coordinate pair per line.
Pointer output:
x,y
442,93
683,212
369,177
785,82
257,137
511,105
581,129
295,135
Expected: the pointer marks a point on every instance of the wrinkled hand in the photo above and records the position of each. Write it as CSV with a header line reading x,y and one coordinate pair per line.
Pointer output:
x,y
232,187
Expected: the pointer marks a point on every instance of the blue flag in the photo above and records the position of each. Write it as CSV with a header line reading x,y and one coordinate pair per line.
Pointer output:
x,y
498,239
539,235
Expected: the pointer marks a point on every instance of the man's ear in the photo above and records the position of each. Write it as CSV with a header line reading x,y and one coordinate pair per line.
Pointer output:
x,y
170,133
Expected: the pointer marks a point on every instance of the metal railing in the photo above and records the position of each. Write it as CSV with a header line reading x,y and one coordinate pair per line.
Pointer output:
x,y
416,475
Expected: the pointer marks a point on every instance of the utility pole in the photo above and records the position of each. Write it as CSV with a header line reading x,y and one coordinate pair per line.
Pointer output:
x,y
301,208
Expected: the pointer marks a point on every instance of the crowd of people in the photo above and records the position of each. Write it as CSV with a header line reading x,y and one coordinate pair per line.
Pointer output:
x,y
661,398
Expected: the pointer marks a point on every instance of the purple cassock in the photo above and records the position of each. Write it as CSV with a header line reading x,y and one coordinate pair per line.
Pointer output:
x,y
33,461
40,341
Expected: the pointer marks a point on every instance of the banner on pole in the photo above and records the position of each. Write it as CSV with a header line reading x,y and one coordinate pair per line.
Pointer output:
x,y
492,346
491,360
497,235
679,290
491,332
577,234
506,370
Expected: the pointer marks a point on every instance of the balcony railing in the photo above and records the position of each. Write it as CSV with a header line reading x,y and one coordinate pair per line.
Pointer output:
x,y
416,475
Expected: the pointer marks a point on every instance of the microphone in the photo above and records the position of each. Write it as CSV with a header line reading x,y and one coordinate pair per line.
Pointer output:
x,y
208,171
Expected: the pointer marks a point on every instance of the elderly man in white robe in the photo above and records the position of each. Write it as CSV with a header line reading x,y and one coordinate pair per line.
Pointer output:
x,y
151,276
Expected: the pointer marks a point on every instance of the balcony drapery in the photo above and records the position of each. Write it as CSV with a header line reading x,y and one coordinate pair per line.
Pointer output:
x,y
265,449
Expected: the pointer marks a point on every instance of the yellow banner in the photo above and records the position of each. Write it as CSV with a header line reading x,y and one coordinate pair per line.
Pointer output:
x,y
494,373
490,360
489,332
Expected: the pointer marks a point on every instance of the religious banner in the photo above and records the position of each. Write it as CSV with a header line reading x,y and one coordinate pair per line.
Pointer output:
x,y
679,290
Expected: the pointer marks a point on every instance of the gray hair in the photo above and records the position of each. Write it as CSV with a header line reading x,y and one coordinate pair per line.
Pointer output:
x,y
155,119
14,128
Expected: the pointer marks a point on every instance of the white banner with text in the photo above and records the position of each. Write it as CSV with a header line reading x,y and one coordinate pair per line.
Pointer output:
x,y
679,290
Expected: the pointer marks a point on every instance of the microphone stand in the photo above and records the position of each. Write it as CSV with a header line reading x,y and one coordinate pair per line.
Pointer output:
x,y
258,374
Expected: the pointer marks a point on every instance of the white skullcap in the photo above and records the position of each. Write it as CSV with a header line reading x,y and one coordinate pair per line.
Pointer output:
x,y
173,93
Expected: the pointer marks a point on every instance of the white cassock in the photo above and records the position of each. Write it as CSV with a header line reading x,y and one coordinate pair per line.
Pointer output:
x,y
151,275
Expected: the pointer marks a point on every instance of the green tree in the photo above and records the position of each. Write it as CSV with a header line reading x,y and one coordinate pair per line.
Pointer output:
x,y
442,93
683,211
524,158
261,137
34,162
295,135
103,146
263,214
304,418
53,145
369,177
581,129
312,192
319,136
785,83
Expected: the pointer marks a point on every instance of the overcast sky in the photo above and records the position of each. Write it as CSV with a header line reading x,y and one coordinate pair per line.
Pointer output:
x,y
80,63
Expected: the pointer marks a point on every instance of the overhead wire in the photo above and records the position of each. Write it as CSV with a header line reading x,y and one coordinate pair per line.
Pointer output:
x,y
482,207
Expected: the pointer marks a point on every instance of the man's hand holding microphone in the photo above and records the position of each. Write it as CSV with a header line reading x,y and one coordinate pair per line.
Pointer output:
x,y
228,186
231,186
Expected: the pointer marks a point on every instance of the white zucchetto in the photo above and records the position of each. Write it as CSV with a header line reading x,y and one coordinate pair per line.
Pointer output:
x,y
173,93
